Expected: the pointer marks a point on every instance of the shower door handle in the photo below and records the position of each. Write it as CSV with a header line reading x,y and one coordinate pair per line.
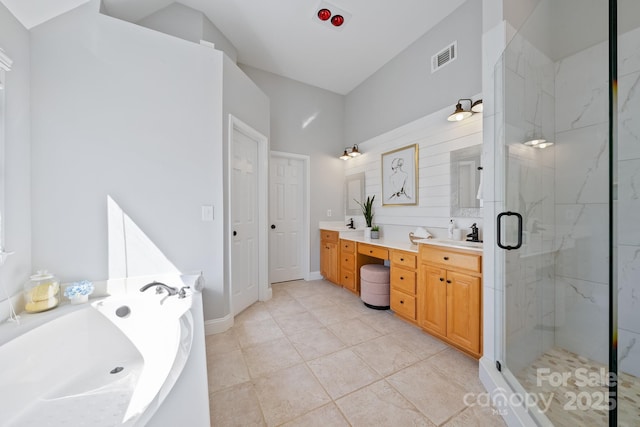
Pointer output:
x,y
499,237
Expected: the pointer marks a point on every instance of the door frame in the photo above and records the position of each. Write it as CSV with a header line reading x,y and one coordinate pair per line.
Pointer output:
x,y
306,208
237,125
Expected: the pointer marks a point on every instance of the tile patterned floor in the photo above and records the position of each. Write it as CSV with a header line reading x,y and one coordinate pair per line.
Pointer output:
x,y
314,355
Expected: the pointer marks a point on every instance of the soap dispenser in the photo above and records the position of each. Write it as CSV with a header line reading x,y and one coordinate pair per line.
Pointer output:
x,y
451,227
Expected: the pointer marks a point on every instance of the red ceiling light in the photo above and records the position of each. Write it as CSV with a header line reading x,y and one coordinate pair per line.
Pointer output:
x,y
337,20
324,14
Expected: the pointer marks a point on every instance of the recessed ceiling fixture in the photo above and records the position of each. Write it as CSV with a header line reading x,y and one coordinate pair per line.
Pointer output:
x,y
331,16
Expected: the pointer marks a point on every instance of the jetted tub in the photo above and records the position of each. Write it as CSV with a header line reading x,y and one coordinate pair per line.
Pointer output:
x,y
109,362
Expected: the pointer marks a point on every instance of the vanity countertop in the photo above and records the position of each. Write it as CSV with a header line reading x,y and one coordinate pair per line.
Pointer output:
x,y
408,246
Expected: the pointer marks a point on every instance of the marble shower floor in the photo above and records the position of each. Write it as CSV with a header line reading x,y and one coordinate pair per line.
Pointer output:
x,y
575,402
314,355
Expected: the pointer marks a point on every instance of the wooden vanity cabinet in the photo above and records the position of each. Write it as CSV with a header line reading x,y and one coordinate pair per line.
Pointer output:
x,y
348,271
403,284
329,255
450,296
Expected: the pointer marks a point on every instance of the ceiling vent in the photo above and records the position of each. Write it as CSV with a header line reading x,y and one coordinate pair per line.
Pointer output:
x,y
444,57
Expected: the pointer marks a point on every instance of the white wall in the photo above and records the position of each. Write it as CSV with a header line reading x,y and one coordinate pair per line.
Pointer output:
x,y
124,111
404,89
188,24
294,104
436,138
14,40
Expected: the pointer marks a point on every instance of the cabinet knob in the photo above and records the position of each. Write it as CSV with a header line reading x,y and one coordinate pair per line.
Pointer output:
x,y
401,301
446,258
448,281
401,259
401,277
370,252
442,279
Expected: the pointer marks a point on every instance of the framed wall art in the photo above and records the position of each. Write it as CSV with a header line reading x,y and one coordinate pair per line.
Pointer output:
x,y
400,176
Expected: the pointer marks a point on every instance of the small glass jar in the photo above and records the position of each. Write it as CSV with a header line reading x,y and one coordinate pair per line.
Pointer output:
x,y
41,292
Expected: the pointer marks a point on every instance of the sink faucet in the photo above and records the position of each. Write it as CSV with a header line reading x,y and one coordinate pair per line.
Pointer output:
x,y
159,287
473,236
350,224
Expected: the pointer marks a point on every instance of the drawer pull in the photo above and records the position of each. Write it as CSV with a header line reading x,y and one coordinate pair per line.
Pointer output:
x,y
401,278
442,279
448,281
446,258
401,301
401,259
370,252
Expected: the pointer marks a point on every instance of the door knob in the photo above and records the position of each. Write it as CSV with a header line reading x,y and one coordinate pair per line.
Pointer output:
x,y
273,226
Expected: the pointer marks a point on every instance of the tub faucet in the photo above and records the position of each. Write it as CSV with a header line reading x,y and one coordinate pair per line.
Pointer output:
x,y
159,287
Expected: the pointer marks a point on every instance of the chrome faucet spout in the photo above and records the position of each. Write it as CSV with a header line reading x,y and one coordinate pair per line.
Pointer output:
x,y
159,287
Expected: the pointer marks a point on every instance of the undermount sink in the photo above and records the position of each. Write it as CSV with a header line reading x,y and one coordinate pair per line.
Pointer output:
x,y
459,243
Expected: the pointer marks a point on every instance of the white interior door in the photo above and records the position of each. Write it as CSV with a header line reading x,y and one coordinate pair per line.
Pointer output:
x,y
286,196
244,222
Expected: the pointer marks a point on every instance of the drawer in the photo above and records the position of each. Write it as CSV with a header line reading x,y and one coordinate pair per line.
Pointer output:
x,y
404,259
451,259
373,251
403,280
329,236
348,261
403,304
347,279
348,246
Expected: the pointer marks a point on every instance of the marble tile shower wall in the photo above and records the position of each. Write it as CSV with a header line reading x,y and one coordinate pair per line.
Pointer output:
x,y
582,158
629,202
529,176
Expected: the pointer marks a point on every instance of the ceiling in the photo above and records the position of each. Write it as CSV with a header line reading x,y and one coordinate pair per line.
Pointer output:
x,y
282,37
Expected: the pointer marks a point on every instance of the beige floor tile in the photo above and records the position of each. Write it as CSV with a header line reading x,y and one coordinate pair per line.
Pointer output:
x,y
353,331
270,356
380,405
292,324
331,314
434,394
327,416
342,372
315,343
418,342
459,367
255,312
302,290
284,306
476,416
288,394
385,322
258,331
385,355
221,343
315,301
227,370
237,406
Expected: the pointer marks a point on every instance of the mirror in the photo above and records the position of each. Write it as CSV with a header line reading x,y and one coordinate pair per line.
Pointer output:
x,y
465,182
354,190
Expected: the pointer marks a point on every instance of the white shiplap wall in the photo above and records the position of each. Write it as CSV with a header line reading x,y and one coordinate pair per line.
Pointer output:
x,y
436,138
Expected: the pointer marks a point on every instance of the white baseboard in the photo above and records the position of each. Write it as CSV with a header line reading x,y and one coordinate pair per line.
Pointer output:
x,y
216,326
314,275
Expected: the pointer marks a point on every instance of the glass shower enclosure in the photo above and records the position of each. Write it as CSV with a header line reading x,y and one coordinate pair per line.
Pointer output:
x,y
568,174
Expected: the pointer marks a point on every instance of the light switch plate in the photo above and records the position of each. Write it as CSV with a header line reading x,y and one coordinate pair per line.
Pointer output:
x,y
207,213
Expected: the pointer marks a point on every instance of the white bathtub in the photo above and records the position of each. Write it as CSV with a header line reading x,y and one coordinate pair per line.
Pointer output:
x,y
85,365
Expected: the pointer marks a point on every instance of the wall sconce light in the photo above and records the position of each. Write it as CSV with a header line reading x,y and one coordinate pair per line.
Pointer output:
x,y
461,114
350,152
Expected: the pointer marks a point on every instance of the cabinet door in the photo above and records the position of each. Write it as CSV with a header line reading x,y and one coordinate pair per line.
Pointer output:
x,y
332,262
463,310
432,299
